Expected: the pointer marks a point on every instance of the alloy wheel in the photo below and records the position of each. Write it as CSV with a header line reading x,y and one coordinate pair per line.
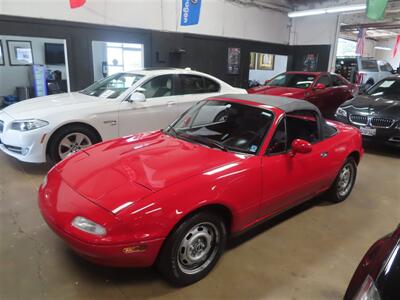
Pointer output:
x,y
72,143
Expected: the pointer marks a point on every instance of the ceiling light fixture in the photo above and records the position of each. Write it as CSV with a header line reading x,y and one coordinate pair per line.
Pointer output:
x,y
329,10
383,48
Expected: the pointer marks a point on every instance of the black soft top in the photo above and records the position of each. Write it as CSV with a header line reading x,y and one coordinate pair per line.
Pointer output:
x,y
286,104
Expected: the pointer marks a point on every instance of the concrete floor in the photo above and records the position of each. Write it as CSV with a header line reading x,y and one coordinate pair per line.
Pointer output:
x,y
309,253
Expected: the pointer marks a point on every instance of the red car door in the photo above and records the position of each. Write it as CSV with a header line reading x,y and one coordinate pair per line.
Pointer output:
x,y
322,96
342,91
288,180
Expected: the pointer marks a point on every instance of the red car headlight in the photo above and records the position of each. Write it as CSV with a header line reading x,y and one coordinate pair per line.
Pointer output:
x,y
88,226
368,290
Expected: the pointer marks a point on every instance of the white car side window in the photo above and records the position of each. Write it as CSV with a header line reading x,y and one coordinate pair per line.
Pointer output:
x,y
160,86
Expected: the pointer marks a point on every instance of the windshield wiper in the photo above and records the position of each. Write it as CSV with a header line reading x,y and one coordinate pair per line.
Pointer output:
x,y
172,130
208,142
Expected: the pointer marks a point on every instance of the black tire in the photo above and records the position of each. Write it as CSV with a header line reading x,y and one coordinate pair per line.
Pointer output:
x,y
335,194
59,135
171,263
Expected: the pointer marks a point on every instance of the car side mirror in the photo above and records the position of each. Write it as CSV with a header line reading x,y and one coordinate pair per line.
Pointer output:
x,y
320,86
301,146
137,97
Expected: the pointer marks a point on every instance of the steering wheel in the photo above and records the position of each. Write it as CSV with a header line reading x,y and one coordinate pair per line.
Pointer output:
x,y
243,140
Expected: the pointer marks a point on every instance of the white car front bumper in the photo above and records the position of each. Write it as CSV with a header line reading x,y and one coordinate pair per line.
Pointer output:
x,y
26,146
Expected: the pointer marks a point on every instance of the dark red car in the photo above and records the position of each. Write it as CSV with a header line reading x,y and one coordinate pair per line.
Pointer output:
x,y
325,90
378,274
173,197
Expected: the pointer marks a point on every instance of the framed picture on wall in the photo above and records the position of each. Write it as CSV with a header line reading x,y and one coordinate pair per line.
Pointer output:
x,y
233,61
253,58
20,53
310,62
265,61
1,54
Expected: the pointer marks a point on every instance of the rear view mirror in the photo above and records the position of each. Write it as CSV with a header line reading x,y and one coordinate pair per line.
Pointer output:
x,y
301,146
137,97
320,86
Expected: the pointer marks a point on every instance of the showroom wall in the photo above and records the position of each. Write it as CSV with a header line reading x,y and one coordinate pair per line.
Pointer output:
x,y
319,29
203,47
218,17
316,30
262,75
18,76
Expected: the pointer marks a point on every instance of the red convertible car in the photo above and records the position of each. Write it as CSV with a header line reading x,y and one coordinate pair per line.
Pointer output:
x,y
325,90
173,197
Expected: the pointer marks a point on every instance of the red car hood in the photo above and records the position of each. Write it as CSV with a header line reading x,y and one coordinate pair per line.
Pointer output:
x,y
112,173
278,91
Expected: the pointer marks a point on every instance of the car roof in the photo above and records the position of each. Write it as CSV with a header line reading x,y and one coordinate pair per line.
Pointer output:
x,y
283,103
305,72
162,71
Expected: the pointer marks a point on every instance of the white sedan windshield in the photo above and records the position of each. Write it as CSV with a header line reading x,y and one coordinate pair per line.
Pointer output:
x,y
113,86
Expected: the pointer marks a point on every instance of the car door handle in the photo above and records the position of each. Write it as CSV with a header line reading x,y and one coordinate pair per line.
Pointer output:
x,y
324,154
170,103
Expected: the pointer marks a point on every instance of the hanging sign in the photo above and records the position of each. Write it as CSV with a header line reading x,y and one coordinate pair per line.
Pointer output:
x,y
190,14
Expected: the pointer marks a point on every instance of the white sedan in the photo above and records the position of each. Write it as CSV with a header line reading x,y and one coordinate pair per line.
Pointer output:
x,y
124,103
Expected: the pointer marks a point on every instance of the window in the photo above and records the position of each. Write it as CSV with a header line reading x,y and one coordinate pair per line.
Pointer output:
x,y
295,80
369,65
278,141
192,84
112,86
328,130
302,125
337,81
324,79
385,67
224,125
160,86
124,57
211,86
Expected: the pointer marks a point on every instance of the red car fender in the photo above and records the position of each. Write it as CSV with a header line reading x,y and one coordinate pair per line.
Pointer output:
x,y
160,212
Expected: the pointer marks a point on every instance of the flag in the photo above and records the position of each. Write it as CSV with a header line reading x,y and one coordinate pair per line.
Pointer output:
x,y
190,13
396,46
376,9
360,41
76,3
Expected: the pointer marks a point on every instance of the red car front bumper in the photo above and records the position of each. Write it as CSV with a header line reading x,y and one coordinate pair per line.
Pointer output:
x,y
58,213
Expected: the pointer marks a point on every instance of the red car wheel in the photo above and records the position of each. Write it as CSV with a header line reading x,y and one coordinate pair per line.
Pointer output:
x,y
193,248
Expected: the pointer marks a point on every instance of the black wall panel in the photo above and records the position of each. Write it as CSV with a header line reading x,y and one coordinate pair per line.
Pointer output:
x,y
162,49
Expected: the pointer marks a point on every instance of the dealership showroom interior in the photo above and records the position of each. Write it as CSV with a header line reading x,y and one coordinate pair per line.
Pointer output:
x,y
200,149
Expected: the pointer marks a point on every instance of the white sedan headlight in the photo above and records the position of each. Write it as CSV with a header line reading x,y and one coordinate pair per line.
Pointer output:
x,y
88,226
341,112
26,125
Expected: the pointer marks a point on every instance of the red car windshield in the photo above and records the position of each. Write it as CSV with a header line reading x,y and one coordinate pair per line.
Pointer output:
x,y
225,125
293,80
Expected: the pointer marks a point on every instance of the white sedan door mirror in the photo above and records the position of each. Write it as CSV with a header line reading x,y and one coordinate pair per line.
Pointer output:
x,y
137,97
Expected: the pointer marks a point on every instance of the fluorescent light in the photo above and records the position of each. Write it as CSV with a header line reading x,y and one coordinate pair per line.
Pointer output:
x,y
383,48
303,13
345,8
321,11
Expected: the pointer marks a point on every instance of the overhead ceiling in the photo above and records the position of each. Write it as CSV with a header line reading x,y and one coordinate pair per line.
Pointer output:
x,y
350,22
389,27
282,5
